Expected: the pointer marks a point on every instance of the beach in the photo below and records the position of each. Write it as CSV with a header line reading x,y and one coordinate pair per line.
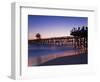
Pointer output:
x,y
40,60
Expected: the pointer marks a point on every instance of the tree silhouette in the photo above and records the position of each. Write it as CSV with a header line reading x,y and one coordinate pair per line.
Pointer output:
x,y
80,37
38,36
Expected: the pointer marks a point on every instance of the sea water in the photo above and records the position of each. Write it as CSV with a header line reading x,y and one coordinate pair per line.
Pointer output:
x,y
40,50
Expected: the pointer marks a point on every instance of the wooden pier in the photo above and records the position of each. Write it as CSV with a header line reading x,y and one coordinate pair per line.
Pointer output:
x,y
53,41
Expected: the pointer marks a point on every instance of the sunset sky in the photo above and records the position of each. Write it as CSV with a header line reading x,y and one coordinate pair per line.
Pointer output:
x,y
53,26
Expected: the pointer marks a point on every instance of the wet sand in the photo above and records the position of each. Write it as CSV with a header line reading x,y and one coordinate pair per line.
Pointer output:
x,y
34,61
68,60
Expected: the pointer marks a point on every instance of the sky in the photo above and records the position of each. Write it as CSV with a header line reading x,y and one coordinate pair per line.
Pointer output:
x,y
53,26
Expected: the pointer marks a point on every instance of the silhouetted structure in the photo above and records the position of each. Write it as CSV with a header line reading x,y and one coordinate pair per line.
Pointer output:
x,y
80,38
38,36
66,40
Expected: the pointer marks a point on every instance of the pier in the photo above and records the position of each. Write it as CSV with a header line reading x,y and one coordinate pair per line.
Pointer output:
x,y
78,39
53,41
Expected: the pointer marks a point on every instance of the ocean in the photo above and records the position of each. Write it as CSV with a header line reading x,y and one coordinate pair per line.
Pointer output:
x,y
40,50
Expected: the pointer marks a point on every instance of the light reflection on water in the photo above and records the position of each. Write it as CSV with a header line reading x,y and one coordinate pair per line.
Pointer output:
x,y
39,50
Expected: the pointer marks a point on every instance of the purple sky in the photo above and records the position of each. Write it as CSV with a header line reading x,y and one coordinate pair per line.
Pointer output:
x,y
53,26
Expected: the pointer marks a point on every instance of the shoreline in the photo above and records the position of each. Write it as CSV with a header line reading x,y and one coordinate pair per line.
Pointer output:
x,y
68,60
34,61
